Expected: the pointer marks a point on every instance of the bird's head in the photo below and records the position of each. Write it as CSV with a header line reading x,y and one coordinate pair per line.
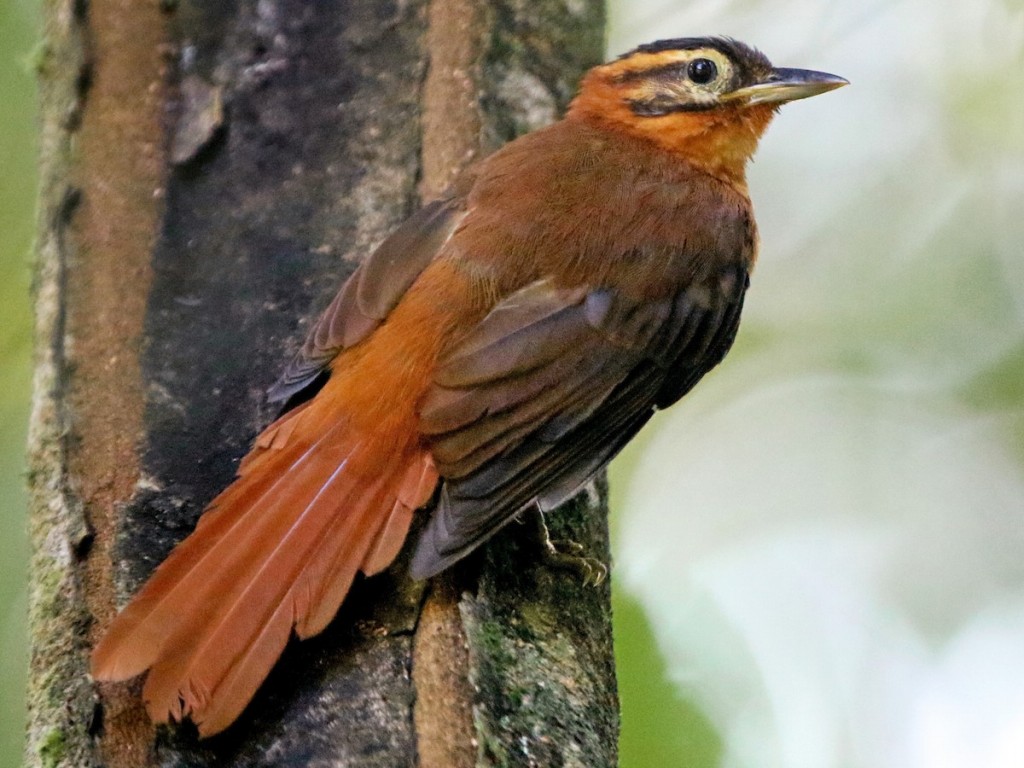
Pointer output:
x,y
708,99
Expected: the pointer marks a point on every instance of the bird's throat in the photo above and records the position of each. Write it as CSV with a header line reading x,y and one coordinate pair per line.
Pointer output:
x,y
718,142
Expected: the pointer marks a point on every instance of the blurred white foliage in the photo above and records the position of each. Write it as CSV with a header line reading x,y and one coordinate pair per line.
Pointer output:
x,y
812,554
828,539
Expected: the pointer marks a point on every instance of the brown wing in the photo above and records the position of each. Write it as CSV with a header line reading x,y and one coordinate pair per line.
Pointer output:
x,y
371,292
548,388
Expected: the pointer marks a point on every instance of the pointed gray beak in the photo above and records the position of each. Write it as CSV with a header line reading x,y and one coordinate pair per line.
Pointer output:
x,y
784,85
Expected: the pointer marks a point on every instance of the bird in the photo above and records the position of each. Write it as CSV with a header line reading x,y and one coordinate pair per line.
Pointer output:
x,y
490,357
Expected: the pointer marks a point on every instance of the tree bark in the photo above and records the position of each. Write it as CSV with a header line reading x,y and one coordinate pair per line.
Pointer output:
x,y
211,173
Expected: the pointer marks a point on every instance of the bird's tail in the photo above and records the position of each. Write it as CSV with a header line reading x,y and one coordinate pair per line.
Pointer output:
x,y
277,550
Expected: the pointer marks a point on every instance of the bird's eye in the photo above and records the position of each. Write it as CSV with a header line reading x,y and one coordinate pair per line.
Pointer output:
x,y
702,71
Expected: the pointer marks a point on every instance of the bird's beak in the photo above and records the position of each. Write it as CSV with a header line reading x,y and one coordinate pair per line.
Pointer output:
x,y
787,85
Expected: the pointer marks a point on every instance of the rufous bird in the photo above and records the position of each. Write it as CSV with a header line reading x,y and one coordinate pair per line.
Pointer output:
x,y
491,356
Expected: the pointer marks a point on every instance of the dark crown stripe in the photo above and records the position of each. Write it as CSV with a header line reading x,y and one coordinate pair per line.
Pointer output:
x,y
726,45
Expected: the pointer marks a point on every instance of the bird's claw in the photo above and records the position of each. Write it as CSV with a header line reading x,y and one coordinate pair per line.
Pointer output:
x,y
565,547
590,569
567,555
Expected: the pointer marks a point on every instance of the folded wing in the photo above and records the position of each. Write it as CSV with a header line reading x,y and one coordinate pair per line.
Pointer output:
x,y
549,387
371,292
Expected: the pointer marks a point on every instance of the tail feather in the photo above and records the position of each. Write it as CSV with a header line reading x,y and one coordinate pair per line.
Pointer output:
x,y
277,550
325,582
414,488
203,569
388,542
238,687
242,595
417,487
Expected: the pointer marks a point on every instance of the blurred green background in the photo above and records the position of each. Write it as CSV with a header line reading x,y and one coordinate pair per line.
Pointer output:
x,y
818,553
18,35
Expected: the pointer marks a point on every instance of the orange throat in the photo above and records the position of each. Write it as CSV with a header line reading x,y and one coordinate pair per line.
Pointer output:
x,y
719,142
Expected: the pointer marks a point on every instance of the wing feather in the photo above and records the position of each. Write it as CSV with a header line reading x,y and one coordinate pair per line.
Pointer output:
x,y
549,388
371,292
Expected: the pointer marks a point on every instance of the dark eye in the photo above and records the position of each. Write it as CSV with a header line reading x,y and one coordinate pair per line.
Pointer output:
x,y
702,71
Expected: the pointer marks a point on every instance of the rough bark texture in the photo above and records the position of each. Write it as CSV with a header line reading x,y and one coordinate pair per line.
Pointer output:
x,y
211,172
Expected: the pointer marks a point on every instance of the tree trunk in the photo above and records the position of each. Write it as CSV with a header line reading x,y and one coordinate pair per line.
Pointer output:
x,y
211,172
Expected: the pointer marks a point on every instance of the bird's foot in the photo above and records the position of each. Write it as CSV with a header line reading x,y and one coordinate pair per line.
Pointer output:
x,y
590,569
568,555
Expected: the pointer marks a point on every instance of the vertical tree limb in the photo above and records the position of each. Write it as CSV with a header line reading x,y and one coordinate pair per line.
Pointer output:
x,y
209,176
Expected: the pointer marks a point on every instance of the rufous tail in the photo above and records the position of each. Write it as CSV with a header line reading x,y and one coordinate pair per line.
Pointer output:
x,y
277,550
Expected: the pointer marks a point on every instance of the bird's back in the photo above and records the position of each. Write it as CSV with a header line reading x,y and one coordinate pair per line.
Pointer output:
x,y
587,204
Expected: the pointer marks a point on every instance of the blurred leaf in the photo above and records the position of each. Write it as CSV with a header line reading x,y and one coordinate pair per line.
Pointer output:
x,y
659,727
17,203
